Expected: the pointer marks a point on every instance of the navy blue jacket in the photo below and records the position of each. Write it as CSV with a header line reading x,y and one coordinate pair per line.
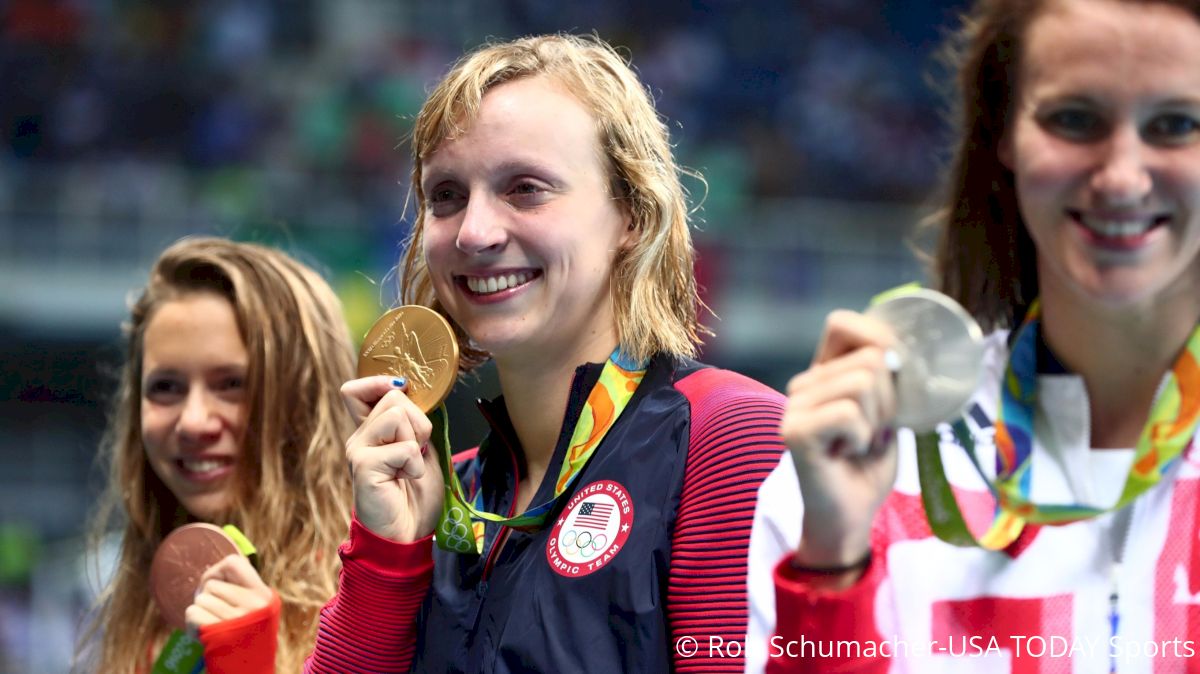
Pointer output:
x,y
647,547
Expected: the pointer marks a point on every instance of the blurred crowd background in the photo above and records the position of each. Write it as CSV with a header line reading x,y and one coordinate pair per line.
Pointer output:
x,y
126,124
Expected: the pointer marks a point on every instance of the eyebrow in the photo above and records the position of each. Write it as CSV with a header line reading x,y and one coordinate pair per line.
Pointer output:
x,y
507,168
1179,102
1090,98
222,369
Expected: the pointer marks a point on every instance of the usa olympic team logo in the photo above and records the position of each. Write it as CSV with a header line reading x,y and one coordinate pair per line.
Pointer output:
x,y
591,530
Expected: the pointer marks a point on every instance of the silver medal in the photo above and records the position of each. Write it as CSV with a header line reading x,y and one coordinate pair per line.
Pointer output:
x,y
941,356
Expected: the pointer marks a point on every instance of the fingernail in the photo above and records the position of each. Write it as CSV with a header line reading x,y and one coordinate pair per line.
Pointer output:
x,y
888,434
892,359
399,382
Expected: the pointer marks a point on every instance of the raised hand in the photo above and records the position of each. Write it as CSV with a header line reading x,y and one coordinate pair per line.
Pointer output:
x,y
397,479
837,425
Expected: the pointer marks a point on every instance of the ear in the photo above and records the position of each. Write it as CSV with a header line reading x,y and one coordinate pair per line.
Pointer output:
x,y
1004,150
629,233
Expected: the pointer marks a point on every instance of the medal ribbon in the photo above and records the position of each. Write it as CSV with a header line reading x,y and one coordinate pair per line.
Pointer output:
x,y
183,653
1169,429
460,527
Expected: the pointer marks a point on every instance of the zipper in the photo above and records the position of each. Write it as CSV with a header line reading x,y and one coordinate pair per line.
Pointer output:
x,y
1121,521
502,536
573,400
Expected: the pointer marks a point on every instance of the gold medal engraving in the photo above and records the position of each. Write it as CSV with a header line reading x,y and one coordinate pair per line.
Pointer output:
x,y
418,344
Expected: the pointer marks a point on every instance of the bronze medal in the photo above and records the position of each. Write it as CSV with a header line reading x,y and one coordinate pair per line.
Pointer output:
x,y
416,343
183,556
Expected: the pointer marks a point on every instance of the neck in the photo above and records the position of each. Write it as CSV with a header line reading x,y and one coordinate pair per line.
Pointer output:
x,y
1122,356
536,392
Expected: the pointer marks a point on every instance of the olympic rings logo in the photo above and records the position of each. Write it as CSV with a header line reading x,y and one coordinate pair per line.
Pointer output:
x,y
584,542
456,532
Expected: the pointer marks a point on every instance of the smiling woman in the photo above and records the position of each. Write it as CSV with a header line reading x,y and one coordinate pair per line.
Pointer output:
x,y
610,504
1071,228
228,413
1105,146
540,214
193,400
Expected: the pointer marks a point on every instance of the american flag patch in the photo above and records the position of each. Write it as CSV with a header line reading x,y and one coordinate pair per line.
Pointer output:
x,y
594,515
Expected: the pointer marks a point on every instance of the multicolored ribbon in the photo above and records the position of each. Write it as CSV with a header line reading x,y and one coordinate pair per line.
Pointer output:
x,y
1167,433
460,527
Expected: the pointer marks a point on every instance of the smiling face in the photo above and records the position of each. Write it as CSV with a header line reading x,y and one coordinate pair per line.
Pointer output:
x,y
193,405
1105,147
521,230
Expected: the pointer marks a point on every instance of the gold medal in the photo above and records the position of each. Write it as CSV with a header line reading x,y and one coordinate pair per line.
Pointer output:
x,y
416,343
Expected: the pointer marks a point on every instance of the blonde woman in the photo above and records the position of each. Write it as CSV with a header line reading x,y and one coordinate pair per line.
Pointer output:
x,y
552,232
228,412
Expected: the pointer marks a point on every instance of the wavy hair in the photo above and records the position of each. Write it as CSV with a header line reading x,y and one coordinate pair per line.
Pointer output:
x,y
293,493
653,285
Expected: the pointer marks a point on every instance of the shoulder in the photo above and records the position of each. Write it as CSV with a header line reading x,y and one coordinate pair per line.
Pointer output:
x,y
734,421
704,386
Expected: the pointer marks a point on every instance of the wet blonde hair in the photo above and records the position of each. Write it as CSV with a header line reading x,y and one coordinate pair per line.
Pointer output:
x,y
293,496
653,282
985,257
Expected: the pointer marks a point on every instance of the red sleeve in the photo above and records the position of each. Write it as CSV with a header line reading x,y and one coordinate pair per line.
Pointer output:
x,y
370,624
808,617
244,645
733,445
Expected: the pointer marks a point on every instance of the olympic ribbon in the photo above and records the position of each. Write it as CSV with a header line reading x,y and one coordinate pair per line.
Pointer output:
x,y
459,527
183,653
1168,430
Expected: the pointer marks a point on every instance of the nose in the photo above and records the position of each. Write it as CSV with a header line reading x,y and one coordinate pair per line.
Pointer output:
x,y
1123,177
483,226
199,418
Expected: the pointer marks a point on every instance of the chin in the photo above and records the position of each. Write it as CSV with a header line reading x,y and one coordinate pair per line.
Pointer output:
x,y
211,510
1119,291
498,339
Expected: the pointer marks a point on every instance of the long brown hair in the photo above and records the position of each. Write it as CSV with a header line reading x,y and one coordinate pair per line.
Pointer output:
x,y
655,302
985,257
293,496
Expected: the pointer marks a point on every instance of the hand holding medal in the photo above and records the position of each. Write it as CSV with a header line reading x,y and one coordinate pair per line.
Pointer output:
x,y
417,345
407,365
184,564
181,559
913,359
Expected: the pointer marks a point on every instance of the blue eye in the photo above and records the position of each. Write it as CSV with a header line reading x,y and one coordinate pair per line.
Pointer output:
x,y
1171,128
1075,123
527,193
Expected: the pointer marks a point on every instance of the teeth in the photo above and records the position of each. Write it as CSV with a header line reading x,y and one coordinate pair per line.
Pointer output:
x,y
201,466
1117,228
494,284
